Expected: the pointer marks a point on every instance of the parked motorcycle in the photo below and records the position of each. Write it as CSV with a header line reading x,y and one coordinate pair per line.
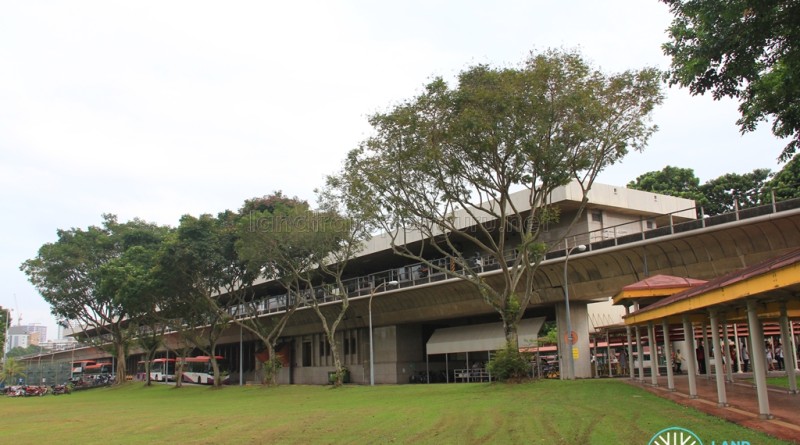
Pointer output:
x,y
32,390
59,389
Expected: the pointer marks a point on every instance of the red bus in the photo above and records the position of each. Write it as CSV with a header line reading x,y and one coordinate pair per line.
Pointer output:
x,y
79,368
98,369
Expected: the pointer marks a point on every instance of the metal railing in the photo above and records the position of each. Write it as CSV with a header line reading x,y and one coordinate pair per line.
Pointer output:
x,y
420,273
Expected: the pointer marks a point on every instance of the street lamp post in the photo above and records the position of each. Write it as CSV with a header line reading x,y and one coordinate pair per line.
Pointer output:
x,y
568,337
6,341
371,344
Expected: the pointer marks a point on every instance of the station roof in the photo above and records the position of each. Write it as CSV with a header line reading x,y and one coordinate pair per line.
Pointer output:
x,y
655,287
773,282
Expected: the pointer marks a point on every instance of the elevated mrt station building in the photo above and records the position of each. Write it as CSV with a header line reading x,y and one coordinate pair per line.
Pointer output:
x,y
430,324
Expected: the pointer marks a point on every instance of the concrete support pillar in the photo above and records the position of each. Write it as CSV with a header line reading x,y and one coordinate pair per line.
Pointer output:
x,y
639,354
629,348
668,354
738,346
579,318
719,370
706,351
726,348
691,366
653,345
789,361
758,358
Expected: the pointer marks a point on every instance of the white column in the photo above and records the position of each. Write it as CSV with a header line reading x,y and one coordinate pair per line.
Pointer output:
x,y
788,352
738,347
651,343
691,369
726,347
608,353
722,396
639,354
629,347
758,358
668,355
706,352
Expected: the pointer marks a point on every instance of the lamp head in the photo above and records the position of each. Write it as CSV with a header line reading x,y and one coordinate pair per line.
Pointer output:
x,y
581,247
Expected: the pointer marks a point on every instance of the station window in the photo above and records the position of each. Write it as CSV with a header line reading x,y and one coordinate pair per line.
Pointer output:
x,y
597,216
306,353
324,348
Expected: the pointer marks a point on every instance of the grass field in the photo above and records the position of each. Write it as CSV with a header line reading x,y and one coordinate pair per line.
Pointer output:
x,y
545,412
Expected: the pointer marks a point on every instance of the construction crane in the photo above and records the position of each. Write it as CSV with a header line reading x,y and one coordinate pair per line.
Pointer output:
x,y
19,314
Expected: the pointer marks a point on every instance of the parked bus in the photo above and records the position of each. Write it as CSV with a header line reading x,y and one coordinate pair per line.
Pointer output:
x,y
79,368
199,370
162,369
97,369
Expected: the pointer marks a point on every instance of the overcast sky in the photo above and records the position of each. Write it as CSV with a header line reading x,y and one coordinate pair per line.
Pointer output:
x,y
158,109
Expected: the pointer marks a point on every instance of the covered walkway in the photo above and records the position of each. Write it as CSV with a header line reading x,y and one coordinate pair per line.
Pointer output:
x,y
742,407
767,292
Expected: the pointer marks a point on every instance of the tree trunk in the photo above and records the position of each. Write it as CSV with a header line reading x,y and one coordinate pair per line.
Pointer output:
x,y
510,329
270,372
337,362
179,373
147,366
121,370
215,367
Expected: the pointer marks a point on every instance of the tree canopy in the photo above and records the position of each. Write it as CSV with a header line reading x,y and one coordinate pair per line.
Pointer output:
x,y
465,149
102,277
301,248
745,49
786,183
672,181
725,193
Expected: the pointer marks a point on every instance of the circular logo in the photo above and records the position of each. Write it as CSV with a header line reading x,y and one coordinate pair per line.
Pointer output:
x,y
571,339
675,436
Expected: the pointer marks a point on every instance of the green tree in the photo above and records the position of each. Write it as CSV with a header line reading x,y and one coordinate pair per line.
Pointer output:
x,y
19,351
732,190
463,150
672,181
745,49
508,364
206,280
11,368
100,277
301,248
716,196
267,242
5,319
786,183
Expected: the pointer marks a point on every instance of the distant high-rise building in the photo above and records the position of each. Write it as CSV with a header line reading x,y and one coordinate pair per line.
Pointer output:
x,y
38,329
23,336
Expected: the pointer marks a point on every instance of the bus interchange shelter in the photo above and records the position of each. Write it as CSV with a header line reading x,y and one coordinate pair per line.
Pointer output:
x,y
768,291
480,340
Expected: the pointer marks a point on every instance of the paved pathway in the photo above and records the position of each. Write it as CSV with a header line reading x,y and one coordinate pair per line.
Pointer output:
x,y
742,403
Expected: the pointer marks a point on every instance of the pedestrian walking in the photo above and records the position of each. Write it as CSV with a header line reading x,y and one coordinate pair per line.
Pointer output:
x,y
701,358
678,362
